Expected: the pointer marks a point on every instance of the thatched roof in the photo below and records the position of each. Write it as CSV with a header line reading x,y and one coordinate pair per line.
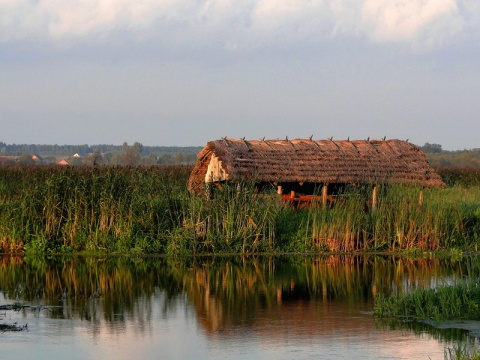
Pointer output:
x,y
313,161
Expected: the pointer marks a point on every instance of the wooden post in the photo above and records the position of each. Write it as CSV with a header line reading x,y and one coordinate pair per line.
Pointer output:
x,y
374,198
279,190
292,194
324,195
420,198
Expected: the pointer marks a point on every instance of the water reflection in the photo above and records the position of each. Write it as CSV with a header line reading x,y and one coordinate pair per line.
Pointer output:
x,y
274,299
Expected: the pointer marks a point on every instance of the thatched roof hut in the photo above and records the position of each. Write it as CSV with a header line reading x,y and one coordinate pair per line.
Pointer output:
x,y
313,161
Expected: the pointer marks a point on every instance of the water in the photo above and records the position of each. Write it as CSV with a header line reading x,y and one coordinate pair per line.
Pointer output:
x,y
225,308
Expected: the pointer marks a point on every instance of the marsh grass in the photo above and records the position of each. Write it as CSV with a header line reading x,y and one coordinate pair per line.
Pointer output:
x,y
453,302
462,351
145,210
236,219
445,218
80,208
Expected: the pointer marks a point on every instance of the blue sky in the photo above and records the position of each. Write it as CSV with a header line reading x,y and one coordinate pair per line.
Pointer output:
x,y
183,72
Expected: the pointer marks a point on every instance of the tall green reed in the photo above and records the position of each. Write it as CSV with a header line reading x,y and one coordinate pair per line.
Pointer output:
x,y
97,208
234,219
399,221
149,210
455,302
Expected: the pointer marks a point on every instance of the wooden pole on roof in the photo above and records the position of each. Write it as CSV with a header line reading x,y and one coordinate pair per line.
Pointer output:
x,y
324,195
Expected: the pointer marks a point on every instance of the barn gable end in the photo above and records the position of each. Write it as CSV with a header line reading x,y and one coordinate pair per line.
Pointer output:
x,y
215,171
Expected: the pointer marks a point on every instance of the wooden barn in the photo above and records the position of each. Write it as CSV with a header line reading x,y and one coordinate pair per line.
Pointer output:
x,y
299,168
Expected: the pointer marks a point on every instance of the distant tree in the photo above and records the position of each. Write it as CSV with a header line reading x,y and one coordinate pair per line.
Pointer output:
x,y
138,147
131,154
107,158
149,160
165,159
178,158
125,146
94,159
432,148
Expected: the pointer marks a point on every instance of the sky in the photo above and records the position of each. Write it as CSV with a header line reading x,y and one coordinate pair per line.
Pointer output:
x,y
184,72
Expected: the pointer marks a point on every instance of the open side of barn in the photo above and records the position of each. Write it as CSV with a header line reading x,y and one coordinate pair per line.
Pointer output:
x,y
306,169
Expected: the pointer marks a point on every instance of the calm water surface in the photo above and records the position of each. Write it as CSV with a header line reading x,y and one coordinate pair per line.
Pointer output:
x,y
218,308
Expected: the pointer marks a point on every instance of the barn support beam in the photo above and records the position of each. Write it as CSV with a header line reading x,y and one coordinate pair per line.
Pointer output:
x,y
324,195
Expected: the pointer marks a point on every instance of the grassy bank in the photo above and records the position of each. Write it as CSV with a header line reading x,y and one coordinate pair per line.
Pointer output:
x,y
455,302
148,210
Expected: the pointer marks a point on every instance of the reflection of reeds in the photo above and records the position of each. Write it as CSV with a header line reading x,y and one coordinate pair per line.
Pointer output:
x,y
229,292
224,291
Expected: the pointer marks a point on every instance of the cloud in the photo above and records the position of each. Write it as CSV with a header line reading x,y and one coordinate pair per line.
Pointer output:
x,y
239,24
407,20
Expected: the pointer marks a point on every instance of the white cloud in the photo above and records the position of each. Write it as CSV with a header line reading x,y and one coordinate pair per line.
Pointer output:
x,y
408,20
240,24
84,17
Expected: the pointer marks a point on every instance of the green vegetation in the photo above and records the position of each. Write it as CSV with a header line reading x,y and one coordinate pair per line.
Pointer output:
x,y
462,351
460,301
456,158
455,302
148,210
59,209
459,176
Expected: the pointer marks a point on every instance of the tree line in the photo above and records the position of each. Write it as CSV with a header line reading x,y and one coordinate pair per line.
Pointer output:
x,y
139,154
85,149
438,157
125,154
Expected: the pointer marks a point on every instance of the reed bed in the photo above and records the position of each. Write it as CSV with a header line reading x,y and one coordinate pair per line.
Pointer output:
x,y
446,218
235,220
463,351
89,208
456,302
146,210
459,176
